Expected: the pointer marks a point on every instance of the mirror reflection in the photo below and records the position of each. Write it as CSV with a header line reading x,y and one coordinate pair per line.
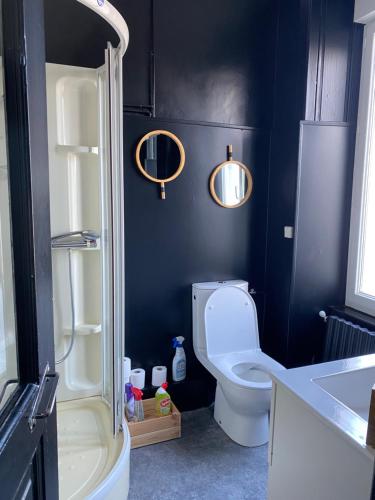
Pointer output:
x,y
160,156
231,184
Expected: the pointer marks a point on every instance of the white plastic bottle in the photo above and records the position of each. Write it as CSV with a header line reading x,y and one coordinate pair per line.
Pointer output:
x,y
179,360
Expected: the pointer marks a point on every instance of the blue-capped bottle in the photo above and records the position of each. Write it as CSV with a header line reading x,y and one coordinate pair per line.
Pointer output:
x,y
179,360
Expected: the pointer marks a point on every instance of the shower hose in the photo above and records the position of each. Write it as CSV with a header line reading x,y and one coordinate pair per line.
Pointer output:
x,y
73,314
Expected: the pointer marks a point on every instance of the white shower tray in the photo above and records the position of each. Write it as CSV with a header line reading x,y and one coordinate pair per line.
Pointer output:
x,y
88,453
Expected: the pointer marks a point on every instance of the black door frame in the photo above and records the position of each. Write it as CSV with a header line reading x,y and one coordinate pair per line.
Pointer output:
x,y
28,459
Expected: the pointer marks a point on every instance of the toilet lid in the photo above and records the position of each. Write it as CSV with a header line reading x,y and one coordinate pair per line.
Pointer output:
x,y
231,321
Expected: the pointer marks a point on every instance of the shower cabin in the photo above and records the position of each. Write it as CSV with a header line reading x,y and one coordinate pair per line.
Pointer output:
x,y
84,108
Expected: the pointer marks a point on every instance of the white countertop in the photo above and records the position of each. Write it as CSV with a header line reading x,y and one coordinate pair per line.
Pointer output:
x,y
300,381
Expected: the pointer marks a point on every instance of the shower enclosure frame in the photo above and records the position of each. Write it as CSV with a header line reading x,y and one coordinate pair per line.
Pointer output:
x,y
70,149
85,113
113,64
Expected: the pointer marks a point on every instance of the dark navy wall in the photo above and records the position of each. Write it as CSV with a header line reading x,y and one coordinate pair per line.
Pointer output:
x,y
185,239
324,186
246,73
318,67
214,86
289,97
215,60
75,35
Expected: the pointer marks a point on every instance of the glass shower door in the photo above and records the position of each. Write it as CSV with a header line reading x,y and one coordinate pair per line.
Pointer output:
x,y
110,87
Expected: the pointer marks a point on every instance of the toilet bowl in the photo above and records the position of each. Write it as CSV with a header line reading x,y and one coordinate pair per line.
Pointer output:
x,y
226,342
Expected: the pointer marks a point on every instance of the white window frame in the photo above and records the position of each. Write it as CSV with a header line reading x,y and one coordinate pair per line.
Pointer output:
x,y
366,118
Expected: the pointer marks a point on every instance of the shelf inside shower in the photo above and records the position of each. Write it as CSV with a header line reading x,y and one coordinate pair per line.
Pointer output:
x,y
80,249
85,329
66,148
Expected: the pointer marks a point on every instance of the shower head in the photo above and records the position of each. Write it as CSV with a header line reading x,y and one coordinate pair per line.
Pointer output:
x,y
76,239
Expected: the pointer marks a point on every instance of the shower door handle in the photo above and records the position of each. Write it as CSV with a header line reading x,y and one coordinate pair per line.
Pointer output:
x,y
48,384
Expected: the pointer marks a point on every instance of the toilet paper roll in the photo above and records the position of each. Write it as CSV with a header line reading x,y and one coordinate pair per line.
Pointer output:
x,y
137,378
159,375
126,369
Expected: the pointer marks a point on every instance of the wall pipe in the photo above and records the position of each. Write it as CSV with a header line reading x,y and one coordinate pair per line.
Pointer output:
x,y
148,109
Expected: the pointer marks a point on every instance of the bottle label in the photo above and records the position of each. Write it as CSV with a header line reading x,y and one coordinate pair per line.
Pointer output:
x,y
181,369
165,402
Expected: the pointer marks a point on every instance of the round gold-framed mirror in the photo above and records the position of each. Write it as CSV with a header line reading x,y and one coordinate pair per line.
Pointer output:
x,y
231,183
160,157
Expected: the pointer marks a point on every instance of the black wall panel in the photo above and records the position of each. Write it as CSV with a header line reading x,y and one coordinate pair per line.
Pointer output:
x,y
338,33
317,68
75,35
281,210
334,61
289,103
321,233
137,14
215,60
187,238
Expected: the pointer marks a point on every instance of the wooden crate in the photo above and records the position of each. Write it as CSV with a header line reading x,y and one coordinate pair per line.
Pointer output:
x,y
154,429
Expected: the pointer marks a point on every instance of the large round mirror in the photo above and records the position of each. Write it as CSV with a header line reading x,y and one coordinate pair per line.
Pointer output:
x,y
231,184
160,156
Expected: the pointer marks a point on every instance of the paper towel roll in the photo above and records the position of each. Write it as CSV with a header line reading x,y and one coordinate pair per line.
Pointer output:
x,y
159,375
126,367
137,377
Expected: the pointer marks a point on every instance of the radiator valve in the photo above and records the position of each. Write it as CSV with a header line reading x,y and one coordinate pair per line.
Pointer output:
x,y
323,315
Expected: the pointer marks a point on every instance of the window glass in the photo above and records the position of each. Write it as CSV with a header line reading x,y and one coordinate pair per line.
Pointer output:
x,y
8,347
367,260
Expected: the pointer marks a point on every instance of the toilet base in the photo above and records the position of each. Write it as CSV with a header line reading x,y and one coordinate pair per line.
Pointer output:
x,y
246,430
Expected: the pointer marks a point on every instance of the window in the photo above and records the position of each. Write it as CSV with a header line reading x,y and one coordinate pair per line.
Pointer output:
x,y
360,292
8,346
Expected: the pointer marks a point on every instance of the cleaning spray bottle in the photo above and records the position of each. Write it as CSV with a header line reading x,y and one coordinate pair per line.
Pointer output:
x,y
129,402
138,405
162,401
179,360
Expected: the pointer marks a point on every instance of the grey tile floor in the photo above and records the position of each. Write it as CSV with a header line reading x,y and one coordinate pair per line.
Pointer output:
x,y
203,464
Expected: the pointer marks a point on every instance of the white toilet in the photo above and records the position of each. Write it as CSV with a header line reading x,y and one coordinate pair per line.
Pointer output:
x,y
226,342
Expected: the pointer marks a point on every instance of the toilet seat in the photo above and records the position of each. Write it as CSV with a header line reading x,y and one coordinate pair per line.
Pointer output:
x,y
227,366
231,321
228,349
251,372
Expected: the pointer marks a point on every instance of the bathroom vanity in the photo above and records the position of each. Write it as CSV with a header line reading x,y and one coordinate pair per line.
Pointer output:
x,y
318,432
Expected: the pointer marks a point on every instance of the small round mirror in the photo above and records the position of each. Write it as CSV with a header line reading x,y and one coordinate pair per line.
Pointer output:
x,y
160,156
231,184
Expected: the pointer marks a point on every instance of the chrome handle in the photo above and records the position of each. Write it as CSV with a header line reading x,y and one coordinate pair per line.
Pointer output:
x,y
46,378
